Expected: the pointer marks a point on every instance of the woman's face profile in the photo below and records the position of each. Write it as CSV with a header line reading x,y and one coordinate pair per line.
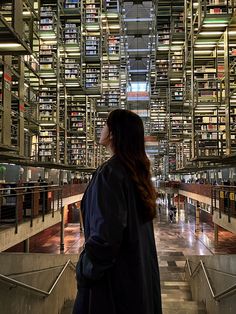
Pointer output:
x,y
105,136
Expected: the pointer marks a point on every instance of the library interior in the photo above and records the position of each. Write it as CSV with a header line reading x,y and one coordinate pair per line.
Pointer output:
x,y
64,66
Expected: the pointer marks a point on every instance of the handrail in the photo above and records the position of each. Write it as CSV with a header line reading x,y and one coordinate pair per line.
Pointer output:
x,y
42,292
30,187
217,296
30,192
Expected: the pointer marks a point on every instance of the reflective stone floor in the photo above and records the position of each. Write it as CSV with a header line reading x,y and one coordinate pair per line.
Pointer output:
x,y
172,239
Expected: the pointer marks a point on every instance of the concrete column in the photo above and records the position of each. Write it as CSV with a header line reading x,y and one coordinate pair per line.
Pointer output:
x,y
28,175
46,174
6,100
197,223
26,246
185,209
178,204
216,234
81,221
21,123
62,230
169,200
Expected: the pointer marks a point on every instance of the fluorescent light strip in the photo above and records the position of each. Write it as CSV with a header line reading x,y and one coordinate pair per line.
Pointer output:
x,y
202,52
210,33
205,45
215,25
9,45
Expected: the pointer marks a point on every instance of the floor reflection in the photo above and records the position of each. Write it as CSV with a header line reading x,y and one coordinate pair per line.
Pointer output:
x,y
178,237
186,239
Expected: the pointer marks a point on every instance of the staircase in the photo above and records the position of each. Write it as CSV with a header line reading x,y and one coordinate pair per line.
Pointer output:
x,y
177,299
176,292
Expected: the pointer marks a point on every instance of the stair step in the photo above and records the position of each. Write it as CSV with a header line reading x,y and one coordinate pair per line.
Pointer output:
x,y
176,296
175,290
187,311
175,283
182,307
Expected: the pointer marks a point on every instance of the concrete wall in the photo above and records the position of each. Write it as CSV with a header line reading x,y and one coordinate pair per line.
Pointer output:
x,y
37,270
223,222
9,238
216,266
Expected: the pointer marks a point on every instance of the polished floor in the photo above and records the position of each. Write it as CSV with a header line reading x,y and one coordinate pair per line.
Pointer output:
x,y
177,238
175,241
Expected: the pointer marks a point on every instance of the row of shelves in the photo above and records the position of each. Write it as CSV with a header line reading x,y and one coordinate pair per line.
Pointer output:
x,y
45,95
195,82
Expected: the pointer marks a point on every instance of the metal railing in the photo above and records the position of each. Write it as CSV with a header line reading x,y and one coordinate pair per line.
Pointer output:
x,y
218,296
224,200
17,283
23,203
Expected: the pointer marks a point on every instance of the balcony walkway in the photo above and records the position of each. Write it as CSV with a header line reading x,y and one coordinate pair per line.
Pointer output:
x,y
171,238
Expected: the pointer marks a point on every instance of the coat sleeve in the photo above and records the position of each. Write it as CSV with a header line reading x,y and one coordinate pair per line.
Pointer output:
x,y
107,221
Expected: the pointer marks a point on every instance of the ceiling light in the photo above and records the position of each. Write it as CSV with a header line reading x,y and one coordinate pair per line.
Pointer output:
x,y
163,48
73,54
112,15
72,48
177,42
215,25
47,124
10,45
45,36
205,45
117,26
51,42
26,13
210,33
173,48
71,84
202,42
92,27
202,52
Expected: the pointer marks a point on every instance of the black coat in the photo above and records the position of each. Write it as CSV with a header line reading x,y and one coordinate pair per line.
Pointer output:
x,y
117,271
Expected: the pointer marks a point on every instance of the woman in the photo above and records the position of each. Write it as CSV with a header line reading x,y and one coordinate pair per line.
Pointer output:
x,y
117,272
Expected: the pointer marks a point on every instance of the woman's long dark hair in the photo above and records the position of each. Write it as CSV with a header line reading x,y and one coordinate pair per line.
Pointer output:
x,y
127,133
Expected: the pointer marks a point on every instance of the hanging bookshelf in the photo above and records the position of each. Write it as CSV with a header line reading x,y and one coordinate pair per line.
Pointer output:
x,y
1,100
17,19
49,88
76,113
112,5
160,102
92,77
204,70
91,46
18,27
70,5
232,91
72,45
111,58
92,30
